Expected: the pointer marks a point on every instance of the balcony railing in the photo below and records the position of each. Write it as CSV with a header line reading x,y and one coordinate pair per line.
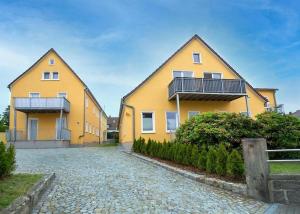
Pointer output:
x,y
40,104
41,135
207,88
278,109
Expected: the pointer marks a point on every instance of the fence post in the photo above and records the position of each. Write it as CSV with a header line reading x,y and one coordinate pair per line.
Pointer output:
x,y
256,168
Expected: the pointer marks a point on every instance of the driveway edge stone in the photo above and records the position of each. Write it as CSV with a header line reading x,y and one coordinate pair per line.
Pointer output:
x,y
237,188
25,204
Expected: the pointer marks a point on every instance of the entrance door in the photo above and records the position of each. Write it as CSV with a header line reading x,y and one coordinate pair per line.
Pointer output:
x,y
59,125
32,129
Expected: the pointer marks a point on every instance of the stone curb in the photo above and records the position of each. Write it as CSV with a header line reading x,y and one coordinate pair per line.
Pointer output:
x,y
25,204
240,189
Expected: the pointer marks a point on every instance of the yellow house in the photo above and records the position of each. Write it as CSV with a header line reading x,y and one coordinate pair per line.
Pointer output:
x,y
195,79
52,107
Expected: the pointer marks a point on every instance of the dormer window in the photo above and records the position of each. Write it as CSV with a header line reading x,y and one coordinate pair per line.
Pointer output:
x,y
51,61
46,75
55,75
196,58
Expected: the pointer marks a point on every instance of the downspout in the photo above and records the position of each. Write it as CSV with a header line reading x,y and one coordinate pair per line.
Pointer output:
x,y
100,126
83,125
133,118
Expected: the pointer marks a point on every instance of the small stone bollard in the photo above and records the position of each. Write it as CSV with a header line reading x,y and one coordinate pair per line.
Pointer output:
x,y
256,168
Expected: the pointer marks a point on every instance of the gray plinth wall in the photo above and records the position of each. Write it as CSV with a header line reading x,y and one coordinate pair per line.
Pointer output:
x,y
261,185
256,168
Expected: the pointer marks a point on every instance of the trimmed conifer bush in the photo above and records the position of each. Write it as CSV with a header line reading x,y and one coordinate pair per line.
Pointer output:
x,y
222,156
211,162
202,158
235,164
7,160
194,156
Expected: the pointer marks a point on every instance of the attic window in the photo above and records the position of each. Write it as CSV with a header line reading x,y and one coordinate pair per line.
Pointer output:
x,y
51,61
196,58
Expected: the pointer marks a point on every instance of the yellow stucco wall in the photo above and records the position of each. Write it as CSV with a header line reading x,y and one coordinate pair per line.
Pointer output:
x,y
270,95
3,137
68,82
153,94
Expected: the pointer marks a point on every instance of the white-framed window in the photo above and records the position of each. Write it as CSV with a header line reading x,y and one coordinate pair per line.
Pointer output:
x,y
183,74
211,75
245,113
62,94
34,94
55,75
51,61
46,75
148,122
86,127
197,58
171,121
192,114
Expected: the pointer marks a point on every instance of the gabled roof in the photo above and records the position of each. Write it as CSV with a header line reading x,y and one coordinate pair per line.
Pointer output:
x,y
183,46
266,89
51,50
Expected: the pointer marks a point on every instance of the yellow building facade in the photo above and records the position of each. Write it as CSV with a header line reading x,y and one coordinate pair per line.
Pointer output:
x,y
51,105
195,79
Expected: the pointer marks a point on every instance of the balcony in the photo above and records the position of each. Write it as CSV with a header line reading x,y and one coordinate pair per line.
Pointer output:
x,y
42,104
207,89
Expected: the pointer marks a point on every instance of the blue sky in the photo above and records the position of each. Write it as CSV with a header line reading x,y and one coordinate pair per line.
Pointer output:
x,y
114,45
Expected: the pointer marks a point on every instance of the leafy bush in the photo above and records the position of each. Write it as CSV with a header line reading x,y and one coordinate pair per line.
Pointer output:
x,y
215,128
235,164
280,131
222,155
211,160
7,160
202,158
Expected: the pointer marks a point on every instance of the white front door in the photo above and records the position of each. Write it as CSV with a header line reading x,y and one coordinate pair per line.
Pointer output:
x,y
32,129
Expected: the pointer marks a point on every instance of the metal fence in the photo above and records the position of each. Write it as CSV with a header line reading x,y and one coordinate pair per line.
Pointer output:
x,y
283,160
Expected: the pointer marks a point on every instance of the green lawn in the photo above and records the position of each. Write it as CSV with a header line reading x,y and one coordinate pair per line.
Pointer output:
x,y
14,186
286,168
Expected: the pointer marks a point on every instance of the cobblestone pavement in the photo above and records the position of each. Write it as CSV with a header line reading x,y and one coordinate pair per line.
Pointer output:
x,y
105,180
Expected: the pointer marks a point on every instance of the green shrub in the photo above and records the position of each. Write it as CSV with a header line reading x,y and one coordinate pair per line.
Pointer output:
x,y
281,131
235,164
211,160
222,156
7,160
194,155
202,158
215,128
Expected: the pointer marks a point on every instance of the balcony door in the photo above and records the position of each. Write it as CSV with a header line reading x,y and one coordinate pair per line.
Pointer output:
x,y
184,84
32,129
60,124
183,74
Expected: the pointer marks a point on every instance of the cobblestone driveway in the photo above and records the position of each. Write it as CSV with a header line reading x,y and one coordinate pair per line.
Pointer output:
x,y
105,180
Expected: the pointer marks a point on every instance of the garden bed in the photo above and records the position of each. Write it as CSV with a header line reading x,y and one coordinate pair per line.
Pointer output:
x,y
197,170
15,186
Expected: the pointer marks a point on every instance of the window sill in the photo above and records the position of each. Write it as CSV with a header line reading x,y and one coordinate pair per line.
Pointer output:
x,y
148,132
50,79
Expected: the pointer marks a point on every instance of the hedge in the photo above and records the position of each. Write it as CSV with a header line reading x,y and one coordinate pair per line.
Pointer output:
x,y
216,160
209,129
7,160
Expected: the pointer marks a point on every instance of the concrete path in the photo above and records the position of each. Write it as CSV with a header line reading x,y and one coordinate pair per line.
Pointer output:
x,y
105,180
